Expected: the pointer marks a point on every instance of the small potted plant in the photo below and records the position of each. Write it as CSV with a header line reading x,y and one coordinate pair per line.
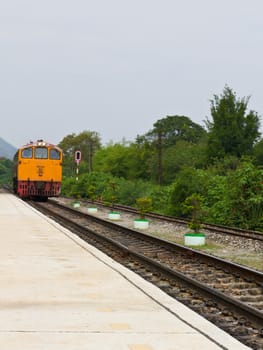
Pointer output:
x,y
110,196
193,205
76,202
144,205
91,191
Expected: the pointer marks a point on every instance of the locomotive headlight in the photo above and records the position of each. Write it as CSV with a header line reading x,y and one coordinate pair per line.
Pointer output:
x,y
41,143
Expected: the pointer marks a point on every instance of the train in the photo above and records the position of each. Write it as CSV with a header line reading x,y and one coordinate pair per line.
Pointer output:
x,y
38,171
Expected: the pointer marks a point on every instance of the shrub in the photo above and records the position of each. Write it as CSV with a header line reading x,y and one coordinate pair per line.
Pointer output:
x,y
193,205
144,206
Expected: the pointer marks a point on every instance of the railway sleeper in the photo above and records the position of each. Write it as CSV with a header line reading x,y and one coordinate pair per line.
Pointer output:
x,y
244,285
256,305
251,299
256,292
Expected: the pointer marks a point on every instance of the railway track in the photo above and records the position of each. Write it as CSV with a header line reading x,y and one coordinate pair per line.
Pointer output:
x,y
227,294
238,232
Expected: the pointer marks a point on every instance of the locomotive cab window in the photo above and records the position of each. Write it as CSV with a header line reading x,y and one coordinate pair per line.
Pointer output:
x,y
41,153
54,154
27,153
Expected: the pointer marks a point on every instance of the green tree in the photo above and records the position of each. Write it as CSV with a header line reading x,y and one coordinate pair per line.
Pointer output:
x,y
176,157
233,131
245,197
129,191
127,160
166,133
188,181
258,153
87,142
6,167
112,159
236,197
177,128
215,199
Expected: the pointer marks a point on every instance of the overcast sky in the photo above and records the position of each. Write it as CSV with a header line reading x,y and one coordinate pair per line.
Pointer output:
x,y
117,66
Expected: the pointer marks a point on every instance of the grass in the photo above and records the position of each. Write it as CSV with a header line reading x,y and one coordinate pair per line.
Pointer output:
x,y
255,261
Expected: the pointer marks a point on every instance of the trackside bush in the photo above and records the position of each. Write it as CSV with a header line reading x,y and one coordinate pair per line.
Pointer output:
x,y
144,205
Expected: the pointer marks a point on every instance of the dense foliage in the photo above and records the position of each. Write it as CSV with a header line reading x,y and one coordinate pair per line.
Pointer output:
x,y
176,160
6,167
233,131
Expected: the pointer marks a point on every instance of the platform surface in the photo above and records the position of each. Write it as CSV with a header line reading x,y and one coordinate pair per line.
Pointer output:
x,y
58,292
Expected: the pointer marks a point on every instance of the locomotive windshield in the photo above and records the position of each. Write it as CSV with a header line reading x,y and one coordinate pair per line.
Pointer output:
x,y
41,153
27,153
54,154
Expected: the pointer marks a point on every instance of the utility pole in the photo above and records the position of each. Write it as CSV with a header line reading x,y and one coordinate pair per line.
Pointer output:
x,y
90,155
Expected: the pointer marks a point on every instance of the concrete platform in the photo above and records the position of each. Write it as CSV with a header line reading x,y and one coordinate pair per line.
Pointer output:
x,y
57,292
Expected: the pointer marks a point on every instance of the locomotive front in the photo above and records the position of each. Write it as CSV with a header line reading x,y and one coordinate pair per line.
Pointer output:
x,y
38,170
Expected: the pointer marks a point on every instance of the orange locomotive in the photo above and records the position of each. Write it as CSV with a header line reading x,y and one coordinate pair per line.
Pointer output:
x,y
38,170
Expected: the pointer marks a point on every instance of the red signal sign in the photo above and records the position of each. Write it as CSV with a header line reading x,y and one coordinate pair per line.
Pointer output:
x,y
77,156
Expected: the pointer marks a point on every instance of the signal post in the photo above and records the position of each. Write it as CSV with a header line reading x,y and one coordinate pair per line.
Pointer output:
x,y
77,161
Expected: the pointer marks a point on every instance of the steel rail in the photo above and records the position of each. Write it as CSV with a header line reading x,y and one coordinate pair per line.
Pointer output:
x,y
248,311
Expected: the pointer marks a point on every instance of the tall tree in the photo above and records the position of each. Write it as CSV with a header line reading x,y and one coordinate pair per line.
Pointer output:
x,y
167,132
233,131
177,128
127,160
